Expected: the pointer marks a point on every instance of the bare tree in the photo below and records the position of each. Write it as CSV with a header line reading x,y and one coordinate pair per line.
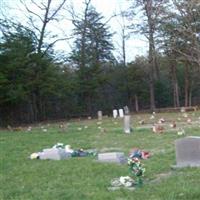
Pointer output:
x,y
123,34
40,18
188,28
184,42
151,11
175,84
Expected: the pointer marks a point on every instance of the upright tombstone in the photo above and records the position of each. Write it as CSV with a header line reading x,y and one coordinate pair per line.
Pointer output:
x,y
121,113
99,114
115,114
188,152
126,110
127,126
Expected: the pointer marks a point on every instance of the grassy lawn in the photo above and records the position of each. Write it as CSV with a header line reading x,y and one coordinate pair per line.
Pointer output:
x,y
84,178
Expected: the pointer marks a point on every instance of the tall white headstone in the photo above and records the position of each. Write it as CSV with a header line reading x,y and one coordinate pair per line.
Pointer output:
x,y
115,114
127,121
121,113
99,114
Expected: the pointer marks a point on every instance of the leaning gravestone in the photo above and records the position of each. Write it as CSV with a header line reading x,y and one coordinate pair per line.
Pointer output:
x,y
54,154
126,110
99,114
127,127
113,157
188,152
115,114
121,113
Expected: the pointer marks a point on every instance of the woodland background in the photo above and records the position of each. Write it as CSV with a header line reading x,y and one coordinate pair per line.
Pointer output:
x,y
37,84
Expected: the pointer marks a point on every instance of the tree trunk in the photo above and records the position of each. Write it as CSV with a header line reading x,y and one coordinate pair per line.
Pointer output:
x,y
176,95
123,47
155,61
190,98
151,66
186,85
45,21
175,85
151,84
35,109
89,104
190,92
152,96
136,103
31,112
152,60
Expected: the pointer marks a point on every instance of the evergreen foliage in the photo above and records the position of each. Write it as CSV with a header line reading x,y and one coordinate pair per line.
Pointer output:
x,y
35,85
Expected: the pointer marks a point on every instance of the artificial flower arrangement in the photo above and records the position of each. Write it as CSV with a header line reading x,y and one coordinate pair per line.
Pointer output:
x,y
137,169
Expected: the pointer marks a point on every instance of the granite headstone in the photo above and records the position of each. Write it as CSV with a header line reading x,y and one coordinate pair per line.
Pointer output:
x,y
126,110
100,115
112,157
188,152
127,120
54,154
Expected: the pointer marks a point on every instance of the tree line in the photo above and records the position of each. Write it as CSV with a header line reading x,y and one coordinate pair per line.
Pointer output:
x,y
36,85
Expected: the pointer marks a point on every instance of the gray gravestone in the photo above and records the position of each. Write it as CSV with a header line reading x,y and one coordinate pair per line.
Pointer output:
x,y
99,114
127,127
188,152
54,154
126,110
114,157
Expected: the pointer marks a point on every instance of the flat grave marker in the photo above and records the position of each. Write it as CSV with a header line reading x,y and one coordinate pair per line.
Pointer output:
x,y
54,154
112,157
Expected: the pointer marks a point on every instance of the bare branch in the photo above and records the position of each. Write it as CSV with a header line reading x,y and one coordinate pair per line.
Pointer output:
x,y
54,42
22,1
32,24
56,11
41,8
187,57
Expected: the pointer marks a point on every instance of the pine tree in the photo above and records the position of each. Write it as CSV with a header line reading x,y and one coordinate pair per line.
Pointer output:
x,y
92,48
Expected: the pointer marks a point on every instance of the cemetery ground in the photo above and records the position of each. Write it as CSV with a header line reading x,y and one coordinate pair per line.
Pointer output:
x,y
84,178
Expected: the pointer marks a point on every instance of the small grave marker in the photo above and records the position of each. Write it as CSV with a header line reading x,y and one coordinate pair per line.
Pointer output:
x,y
182,109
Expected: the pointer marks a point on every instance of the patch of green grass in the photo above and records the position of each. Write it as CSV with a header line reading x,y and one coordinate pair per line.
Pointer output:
x,y
85,178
